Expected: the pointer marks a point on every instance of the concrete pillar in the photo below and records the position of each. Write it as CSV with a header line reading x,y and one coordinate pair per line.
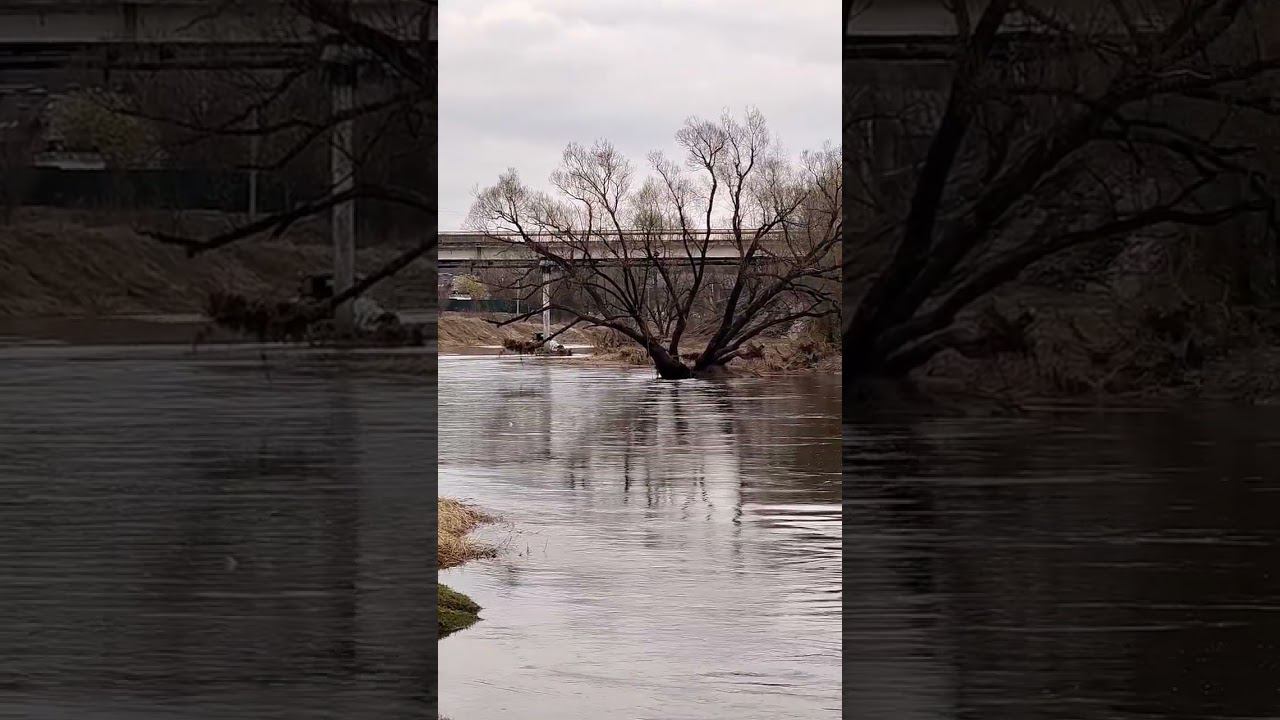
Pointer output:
x,y
342,169
546,301
255,152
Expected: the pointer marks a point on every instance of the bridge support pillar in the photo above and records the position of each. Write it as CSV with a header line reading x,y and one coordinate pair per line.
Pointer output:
x,y
546,301
255,152
342,80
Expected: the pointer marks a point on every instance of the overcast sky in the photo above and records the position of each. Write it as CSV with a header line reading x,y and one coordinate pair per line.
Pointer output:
x,y
520,80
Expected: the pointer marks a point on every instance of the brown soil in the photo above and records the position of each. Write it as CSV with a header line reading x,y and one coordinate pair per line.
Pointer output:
x,y
460,331
73,264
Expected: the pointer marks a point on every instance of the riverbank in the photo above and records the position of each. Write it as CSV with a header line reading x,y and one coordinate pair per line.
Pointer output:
x,y
1088,348
455,520
773,357
463,333
63,263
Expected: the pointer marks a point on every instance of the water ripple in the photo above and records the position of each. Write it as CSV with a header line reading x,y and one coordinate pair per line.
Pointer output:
x,y
674,549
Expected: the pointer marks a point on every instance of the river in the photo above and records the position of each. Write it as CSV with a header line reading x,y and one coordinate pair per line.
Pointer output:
x,y
669,551
1070,565
203,536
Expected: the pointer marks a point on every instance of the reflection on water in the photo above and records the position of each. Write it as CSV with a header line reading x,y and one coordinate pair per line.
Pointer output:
x,y
1073,566
674,549
186,537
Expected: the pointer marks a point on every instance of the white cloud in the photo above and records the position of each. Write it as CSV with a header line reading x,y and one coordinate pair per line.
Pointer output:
x,y
520,80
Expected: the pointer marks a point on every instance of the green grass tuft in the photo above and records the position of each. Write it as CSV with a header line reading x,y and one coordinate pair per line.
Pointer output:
x,y
455,612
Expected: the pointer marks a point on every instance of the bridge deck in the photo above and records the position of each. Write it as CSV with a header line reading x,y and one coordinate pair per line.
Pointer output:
x,y
210,22
461,248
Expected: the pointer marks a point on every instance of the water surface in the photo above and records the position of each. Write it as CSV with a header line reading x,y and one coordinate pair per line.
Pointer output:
x,y
672,552
1080,565
204,537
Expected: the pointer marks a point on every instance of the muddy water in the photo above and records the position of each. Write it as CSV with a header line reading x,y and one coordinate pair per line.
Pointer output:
x,y
673,549
1065,566
197,537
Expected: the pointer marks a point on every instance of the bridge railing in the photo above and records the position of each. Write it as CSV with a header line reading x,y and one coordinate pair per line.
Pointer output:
x,y
464,236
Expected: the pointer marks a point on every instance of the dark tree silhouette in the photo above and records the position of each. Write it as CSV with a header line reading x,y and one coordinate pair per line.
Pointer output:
x,y
1037,127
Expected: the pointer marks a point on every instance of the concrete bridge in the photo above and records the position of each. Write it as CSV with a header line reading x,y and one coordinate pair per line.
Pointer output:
x,y
43,37
925,30
184,22
465,248
174,34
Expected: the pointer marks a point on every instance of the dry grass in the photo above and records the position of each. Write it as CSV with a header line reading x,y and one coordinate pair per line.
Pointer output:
x,y
789,356
455,521
771,356
284,320
455,611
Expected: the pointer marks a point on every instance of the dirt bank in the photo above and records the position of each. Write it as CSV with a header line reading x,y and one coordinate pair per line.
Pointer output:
x,y
72,264
1095,348
461,332
455,611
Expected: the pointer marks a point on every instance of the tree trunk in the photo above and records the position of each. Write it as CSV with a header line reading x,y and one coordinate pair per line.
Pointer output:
x,y
860,358
865,365
870,383
668,366
704,362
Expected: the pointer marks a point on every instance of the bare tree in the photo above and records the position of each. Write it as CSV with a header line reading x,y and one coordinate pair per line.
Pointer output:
x,y
1039,127
644,257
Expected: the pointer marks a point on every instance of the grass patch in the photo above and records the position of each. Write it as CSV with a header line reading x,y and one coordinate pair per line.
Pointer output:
x,y
455,520
455,612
